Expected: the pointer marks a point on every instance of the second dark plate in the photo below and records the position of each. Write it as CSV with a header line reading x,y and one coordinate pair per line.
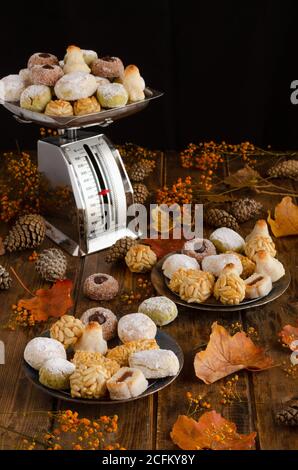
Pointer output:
x,y
160,283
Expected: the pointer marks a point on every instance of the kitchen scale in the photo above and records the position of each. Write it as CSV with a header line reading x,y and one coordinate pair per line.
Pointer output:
x,y
84,182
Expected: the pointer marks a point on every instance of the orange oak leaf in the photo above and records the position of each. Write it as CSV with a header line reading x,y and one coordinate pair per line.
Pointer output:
x,y
53,302
285,220
211,431
226,354
163,247
288,334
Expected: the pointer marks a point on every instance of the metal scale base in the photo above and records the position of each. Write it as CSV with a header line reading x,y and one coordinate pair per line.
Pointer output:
x,y
86,191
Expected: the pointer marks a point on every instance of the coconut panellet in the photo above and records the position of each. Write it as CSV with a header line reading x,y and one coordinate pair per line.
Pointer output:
x,y
215,264
11,88
35,98
75,86
136,326
226,239
160,309
178,261
41,349
112,95
55,373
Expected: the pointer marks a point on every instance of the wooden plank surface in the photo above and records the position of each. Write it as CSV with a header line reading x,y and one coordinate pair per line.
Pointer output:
x,y
19,400
192,328
146,423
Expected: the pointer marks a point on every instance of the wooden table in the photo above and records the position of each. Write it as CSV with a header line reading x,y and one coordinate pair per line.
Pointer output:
x,y
146,423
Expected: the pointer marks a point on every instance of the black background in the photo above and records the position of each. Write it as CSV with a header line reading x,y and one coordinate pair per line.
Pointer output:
x,y
225,66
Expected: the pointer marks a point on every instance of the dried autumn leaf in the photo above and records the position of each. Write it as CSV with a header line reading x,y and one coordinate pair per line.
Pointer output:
x,y
288,334
226,354
212,431
53,302
163,247
246,176
286,218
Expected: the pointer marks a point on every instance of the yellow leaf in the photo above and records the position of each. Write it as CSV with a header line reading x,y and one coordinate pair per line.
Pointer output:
x,y
285,220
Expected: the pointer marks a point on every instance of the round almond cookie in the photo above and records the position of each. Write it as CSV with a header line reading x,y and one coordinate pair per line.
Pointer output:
x,y
46,74
12,87
40,349
42,58
105,317
178,261
136,326
198,248
101,286
75,85
55,373
112,95
107,67
160,309
35,98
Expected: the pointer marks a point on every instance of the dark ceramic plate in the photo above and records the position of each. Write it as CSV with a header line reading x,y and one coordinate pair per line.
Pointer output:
x,y
160,283
164,341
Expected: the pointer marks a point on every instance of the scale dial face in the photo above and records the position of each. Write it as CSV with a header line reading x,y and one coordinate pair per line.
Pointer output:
x,y
97,184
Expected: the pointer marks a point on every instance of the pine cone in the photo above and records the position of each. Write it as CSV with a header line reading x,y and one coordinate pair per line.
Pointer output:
x,y
148,165
288,415
140,193
137,173
28,232
119,250
5,279
221,218
287,169
51,265
245,209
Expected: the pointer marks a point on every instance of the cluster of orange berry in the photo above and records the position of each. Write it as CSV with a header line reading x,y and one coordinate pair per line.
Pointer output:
x,y
131,153
208,156
179,193
47,132
19,187
82,433
250,331
33,257
290,369
20,317
132,297
196,405
229,391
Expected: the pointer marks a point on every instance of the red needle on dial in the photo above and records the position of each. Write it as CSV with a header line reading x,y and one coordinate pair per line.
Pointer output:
x,y
104,192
